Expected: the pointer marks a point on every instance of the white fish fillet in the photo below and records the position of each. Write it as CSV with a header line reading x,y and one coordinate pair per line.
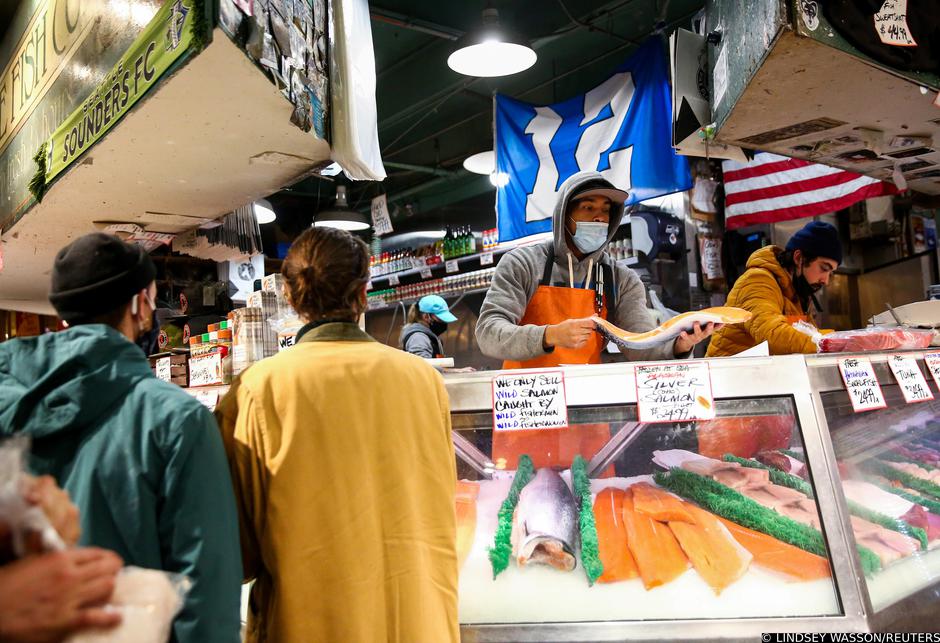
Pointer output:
x,y
676,458
871,497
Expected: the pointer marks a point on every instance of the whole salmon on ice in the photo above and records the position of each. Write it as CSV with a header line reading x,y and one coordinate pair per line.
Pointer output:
x,y
545,523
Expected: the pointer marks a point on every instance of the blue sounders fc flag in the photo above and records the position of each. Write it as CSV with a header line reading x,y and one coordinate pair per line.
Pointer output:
x,y
622,128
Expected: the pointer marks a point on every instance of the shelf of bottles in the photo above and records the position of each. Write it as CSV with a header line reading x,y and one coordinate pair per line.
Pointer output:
x,y
448,286
456,243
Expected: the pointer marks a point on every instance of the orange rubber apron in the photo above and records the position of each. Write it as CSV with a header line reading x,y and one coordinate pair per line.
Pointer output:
x,y
553,305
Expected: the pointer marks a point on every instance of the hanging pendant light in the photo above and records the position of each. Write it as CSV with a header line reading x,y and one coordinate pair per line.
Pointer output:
x,y
264,211
341,215
491,50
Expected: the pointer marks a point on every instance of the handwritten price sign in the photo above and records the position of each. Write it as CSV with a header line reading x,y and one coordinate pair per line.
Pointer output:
x,y
529,401
675,392
862,384
910,379
932,360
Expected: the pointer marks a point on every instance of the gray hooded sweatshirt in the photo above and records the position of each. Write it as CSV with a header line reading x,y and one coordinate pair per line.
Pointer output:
x,y
518,275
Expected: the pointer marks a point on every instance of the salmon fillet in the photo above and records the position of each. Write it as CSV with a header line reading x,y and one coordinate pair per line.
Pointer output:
x,y
717,557
658,556
612,537
466,501
779,556
659,504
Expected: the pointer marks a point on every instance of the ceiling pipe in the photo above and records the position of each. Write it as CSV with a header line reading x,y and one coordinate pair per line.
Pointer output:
x,y
436,171
415,24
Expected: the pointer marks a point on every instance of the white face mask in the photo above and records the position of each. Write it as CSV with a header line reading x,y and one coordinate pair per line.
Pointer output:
x,y
590,235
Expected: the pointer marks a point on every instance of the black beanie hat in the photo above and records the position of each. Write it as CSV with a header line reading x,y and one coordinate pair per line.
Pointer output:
x,y
96,274
817,239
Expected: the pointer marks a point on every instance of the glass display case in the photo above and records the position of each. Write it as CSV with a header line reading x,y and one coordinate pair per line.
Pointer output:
x,y
888,466
726,528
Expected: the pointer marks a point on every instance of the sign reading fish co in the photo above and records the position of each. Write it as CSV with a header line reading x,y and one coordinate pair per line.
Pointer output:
x,y
161,44
524,401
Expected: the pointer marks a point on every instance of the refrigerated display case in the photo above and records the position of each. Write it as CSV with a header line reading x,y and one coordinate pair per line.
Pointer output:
x,y
728,570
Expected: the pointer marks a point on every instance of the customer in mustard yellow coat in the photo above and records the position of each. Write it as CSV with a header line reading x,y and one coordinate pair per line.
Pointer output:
x,y
777,288
344,471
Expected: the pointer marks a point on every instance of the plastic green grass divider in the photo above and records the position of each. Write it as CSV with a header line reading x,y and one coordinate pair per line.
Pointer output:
x,y
501,550
932,506
590,554
731,505
794,482
912,482
895,457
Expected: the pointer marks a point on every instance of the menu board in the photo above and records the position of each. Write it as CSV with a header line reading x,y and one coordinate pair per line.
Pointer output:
x,y
674,392
862,384
523,401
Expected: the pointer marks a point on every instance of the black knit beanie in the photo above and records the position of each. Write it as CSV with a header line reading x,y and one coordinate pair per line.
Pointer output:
x,y
96,274
818,239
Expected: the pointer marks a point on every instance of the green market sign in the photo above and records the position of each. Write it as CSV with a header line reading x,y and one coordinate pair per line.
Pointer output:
x,y
176,29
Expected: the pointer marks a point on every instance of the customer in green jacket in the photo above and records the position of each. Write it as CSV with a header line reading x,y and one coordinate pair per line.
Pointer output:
x,y
142,459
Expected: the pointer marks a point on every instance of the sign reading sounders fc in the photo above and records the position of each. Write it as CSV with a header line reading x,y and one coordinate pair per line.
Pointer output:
x,y
164,41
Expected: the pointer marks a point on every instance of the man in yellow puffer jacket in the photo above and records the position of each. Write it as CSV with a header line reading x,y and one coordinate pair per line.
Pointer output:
x,y
777,288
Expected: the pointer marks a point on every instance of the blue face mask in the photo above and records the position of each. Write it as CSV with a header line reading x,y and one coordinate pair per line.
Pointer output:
x,y
590,235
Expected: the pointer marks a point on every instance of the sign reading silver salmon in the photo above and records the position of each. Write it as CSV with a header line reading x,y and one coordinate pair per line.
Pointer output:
x,y
674,392
529,401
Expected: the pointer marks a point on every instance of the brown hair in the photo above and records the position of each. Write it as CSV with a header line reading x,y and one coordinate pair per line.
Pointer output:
x,y
324,273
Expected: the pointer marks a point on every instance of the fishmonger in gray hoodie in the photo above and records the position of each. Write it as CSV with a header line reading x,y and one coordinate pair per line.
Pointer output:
x,y
520,271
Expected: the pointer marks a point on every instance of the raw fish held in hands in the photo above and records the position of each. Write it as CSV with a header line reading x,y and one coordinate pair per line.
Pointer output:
x,y
670,329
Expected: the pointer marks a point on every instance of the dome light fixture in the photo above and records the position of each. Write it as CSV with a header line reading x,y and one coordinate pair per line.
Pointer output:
x,y
264,211
491,50
341,215
481,163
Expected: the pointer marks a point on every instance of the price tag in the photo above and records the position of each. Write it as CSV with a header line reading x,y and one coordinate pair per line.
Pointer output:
x,y
529,401
163,369
451,266
426,272
910,379
205,370
932,360
393,280
209,399
674,392
891,24
381,221
486,259
862,384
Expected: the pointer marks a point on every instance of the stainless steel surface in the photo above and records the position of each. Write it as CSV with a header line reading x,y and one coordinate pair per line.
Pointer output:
x,y
617,445
475,458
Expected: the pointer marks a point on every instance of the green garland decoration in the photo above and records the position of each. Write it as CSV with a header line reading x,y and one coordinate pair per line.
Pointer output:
x,y
501,550
796,455
911,482
932,506
37,184
785,479
590,553
731,505
895,457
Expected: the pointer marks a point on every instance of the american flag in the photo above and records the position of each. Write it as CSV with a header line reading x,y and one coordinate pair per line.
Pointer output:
x,y
776,188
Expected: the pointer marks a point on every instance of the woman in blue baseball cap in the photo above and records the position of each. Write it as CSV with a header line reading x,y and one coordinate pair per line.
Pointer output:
x,y
427,321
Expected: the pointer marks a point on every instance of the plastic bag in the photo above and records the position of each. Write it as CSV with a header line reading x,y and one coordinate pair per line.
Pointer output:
x,y
808,329
878,338
286,328
24,520
148,601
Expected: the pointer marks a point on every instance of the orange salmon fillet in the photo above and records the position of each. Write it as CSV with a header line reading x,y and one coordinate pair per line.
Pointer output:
x,y
612,537
655,549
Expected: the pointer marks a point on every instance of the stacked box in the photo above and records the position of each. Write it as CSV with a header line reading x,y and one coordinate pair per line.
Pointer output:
x,y
275,283
248,341
267,302
179,368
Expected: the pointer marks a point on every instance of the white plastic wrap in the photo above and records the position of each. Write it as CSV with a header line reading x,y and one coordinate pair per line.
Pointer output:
x,y
148,601
21,517
352,91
